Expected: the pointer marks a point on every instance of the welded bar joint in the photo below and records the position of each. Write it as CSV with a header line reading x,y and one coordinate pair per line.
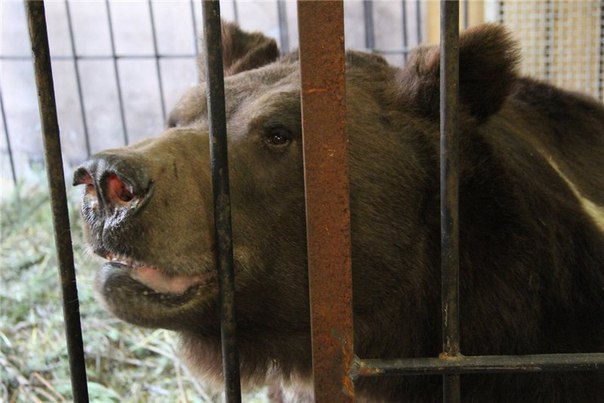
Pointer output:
x,y
449,189
222,198
58,198
322,66
479,364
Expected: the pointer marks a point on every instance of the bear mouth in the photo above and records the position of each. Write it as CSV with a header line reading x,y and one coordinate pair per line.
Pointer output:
x,y
158,281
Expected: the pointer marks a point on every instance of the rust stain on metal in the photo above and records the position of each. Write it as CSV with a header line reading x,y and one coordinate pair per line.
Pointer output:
x,y
445,356
315,90
361,369
347,362
322,65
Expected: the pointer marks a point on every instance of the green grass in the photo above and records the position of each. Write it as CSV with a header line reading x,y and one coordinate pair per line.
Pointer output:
x,y
124,363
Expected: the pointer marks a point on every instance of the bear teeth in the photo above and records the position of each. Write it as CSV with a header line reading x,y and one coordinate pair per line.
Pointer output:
x,y
125,260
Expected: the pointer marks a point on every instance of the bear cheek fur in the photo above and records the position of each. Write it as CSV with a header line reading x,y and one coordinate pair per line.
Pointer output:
x,y
266,193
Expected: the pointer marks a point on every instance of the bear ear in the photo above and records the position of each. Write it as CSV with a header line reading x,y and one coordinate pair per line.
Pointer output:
x,y
242,51
488,60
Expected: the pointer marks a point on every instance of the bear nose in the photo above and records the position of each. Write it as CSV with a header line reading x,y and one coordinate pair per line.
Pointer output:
x,y
114,181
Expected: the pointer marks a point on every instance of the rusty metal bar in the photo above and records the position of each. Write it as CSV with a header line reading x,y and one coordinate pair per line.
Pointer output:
x,y
322,66
479,364
222,198
58,198
449,189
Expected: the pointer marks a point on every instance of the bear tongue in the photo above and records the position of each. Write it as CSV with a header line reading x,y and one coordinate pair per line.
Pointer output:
x,y
162,283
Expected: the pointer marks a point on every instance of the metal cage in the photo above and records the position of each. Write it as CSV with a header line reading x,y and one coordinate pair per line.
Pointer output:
x,y
334,364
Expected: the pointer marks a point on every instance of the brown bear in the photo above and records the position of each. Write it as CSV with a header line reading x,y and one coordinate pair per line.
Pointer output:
x,y
531,219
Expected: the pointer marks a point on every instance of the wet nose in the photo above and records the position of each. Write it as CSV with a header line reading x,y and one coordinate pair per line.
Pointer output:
x,y
114,180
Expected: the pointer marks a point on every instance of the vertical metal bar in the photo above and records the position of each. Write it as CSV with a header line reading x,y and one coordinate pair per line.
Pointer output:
x,y
449,188
157,62
194,21
116,73
7,137
56,181
222,201
322,67
283,26
418,21
76,67
405,32
369,26
466,14
235,11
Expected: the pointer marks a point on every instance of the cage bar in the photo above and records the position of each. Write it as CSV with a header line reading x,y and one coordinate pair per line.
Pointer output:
x,y
322,68
236,11
405,31
194,22
479,364
76,67
157,60
283,27
221,197
369,26
9,148
116,73
449,189
58,199
466,14
418,20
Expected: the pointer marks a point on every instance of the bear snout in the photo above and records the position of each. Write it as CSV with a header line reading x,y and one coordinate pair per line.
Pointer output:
x,y
114,182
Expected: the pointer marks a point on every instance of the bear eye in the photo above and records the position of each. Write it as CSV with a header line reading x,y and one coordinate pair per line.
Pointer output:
x,y
279,137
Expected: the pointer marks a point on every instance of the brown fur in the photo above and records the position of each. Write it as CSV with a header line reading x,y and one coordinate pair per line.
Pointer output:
x,y
532,259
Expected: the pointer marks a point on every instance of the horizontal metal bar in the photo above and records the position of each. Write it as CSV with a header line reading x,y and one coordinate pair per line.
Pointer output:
x,y
401,51
478,364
